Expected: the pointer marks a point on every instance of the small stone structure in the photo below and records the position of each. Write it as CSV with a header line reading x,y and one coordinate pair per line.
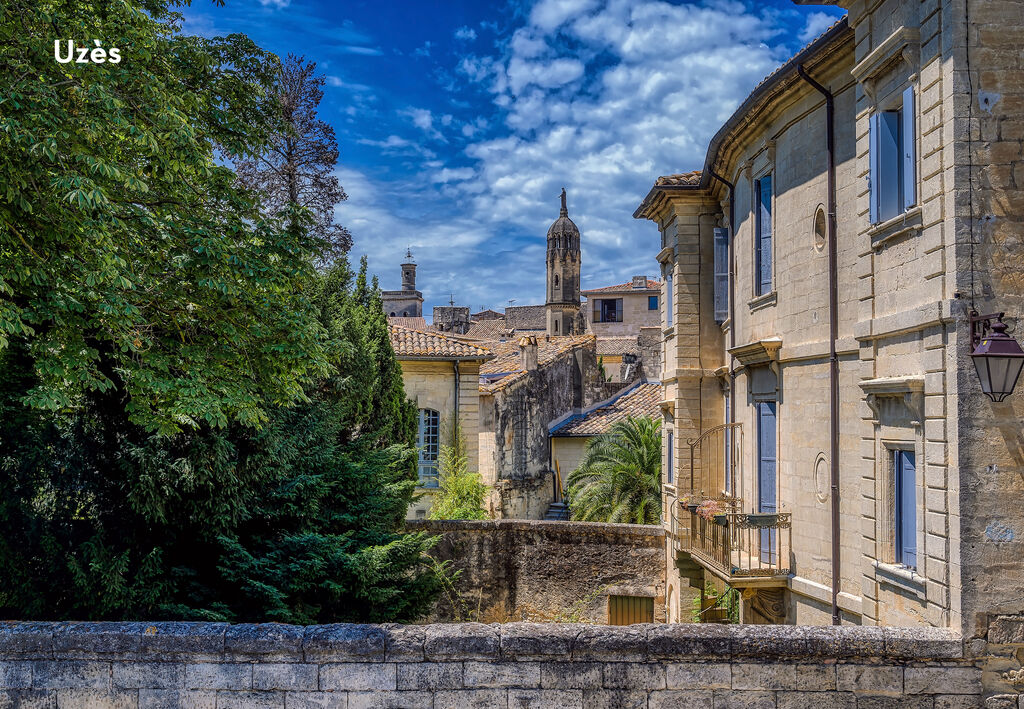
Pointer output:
x,y
272,666
537,570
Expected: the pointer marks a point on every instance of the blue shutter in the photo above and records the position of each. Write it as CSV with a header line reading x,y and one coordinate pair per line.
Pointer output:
x,y
764,235
873,173
909,136
671,459
890,164
906,506
721,275
766,456
669,299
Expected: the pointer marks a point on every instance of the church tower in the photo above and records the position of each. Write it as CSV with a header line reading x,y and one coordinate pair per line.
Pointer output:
x,y
563,274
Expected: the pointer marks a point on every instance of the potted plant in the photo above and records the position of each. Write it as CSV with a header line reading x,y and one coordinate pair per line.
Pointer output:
x,y
712,510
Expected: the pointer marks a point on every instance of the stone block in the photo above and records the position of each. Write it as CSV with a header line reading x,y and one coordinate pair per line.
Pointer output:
x,y
149,675
344,642
429,675
845,642
763,676
462,641
768,641
611,643
817,700
28,699
250,700
816,678
680,699
176,699
501,674
614,699
178,640
218,675
628,675
264,641
1006,630
284,675
1002,701
678,640
97,640
571,675
537,641
942,680
545,699
15,675
890,702
389,700
868,678
471,699
81,698
956,701
698,675
923,643
26,640
325,700
70,674
403,643
730,699
359,676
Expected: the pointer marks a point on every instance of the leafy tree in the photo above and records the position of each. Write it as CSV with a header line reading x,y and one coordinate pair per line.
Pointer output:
x,y
460,491
297,168
619,478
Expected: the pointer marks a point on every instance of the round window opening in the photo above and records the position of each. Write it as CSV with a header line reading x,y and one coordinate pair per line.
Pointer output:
x,y
819,228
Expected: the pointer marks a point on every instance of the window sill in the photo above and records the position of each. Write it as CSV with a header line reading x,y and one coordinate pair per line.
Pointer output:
x,y
900,225
763,301
669,331
901,578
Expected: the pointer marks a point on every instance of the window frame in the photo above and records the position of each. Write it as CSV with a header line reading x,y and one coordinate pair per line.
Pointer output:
x,y
902,106
600,311
655,300
668,297
900,556
762,287
428,447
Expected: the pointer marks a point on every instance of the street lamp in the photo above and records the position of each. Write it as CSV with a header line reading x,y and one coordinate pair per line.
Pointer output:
x,y
997,356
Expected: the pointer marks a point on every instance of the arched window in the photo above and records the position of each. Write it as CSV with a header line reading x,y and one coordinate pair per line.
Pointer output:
x,y
392,313
428,443
556,280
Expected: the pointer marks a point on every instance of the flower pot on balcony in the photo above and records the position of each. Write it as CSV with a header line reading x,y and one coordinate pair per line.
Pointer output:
x,y
721,520
763,519
691,506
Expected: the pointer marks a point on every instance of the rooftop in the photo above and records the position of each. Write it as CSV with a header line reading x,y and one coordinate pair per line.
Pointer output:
x,y
507,365
624,288
641,399
417,344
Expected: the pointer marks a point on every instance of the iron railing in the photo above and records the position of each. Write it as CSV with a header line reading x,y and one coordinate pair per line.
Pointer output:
x,y
739,544
714,464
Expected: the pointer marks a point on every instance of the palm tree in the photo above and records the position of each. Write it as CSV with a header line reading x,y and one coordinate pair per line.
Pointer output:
x,y
619,479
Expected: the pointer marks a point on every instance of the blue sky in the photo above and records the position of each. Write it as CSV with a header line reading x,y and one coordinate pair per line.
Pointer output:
x,y
459,122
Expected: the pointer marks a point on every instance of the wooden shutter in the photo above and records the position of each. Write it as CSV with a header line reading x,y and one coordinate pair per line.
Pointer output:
x,y
906,508
909,136
669,299
764,235
721,275
670,466
890,199
618,310
873,170
627,610
766,470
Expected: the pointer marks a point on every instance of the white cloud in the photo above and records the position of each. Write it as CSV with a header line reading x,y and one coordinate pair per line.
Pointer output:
x,y
278,4
465,33
817,22
423,119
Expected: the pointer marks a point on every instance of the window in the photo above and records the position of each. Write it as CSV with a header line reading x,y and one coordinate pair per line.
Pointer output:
x,y
668,299
905,479
721,275
763,235
427,440
627,610
767,463
608,310
670,467
893,176
556,280
652,302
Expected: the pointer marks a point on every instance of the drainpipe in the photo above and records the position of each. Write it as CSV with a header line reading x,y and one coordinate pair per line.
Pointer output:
x,y
455,367
732,311
833,322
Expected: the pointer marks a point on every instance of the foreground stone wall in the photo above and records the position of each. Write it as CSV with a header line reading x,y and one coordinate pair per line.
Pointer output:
x,y
537,570
472,665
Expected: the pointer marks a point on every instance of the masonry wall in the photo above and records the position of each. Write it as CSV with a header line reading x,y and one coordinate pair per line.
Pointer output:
x,y
270,666
544,571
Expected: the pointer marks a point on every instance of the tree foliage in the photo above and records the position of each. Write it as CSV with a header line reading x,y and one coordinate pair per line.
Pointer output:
x,y
460,491
619,478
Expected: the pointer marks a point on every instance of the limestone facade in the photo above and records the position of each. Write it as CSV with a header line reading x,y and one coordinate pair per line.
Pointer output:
x,y
635,305
948,74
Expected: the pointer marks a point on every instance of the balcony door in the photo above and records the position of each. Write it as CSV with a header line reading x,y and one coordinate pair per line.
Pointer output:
x,y
766,467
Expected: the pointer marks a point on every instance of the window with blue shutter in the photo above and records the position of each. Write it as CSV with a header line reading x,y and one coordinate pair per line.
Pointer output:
x,y
721,275
668,299
652,302
671,466
893,160
905,479
763,235
767,462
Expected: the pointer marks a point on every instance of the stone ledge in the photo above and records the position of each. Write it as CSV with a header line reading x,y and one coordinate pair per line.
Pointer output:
x,y
474,641
569,529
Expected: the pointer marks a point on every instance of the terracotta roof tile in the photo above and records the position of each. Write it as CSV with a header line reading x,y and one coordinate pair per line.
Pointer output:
x,y
507,365
417,344
623,288
416,323
527,317
488,330
617,346
642,400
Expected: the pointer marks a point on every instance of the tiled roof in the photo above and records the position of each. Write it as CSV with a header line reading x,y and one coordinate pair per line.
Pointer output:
x,y
507,365
527,317
417,344
624,288
488,330
682,178
416,323
641,400
616,346
487,314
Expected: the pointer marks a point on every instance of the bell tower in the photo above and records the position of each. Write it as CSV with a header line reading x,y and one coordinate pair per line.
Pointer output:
x,y
563,274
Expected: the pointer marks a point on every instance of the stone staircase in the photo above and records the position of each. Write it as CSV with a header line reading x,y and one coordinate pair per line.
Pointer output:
x,y
557,511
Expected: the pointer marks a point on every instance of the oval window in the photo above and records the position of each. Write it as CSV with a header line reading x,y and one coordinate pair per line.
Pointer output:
x,y
819,229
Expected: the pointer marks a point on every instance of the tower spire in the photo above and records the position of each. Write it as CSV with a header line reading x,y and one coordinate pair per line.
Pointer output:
x,y
565,211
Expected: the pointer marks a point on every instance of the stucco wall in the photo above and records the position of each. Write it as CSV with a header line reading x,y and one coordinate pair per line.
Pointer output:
x,y
208,665
537,570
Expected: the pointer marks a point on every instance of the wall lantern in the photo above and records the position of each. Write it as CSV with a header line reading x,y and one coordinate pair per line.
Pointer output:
x,y
997,356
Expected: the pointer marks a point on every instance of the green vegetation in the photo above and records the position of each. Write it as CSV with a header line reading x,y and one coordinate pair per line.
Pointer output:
x,y
619,478
194,422
460,491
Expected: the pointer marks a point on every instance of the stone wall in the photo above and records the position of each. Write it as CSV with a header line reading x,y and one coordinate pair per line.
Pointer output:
x,y
129,665
536,570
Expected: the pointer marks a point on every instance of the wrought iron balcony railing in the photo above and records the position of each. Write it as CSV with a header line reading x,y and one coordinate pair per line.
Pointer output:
x,y
714,464
742,547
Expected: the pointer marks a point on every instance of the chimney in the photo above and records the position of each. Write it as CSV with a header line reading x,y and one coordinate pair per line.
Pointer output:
x,y
528,350
639,282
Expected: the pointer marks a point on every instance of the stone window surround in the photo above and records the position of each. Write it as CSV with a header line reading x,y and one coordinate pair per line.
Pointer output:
x,y
762,165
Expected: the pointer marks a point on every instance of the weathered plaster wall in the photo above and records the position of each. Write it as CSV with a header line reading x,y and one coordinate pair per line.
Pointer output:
x,y
536,570
521,665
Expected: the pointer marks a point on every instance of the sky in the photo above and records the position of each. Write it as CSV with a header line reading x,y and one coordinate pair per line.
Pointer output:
x,y
460,121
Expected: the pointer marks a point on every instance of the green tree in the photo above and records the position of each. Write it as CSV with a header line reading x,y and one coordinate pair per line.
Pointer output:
x,y
619,478
460,491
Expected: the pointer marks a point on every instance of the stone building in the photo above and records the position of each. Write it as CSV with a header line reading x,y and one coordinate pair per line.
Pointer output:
x,y
451,318
441,376
408,302
818,384
562,304
622,310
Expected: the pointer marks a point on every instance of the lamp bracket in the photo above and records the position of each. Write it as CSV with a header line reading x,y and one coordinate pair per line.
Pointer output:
x,y
981,325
